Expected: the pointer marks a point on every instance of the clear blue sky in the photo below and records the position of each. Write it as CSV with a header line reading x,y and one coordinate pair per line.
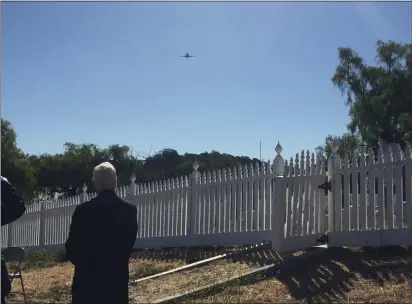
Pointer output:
x,y
110,73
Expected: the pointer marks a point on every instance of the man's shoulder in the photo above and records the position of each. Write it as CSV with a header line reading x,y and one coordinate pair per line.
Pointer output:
x,y
82,206
126,204
95,202
89,204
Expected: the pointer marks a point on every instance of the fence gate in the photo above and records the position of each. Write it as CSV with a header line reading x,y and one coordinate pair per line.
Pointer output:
x,y
299,213
372,200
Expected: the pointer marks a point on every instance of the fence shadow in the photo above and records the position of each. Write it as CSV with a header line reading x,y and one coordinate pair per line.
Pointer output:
x,y
262,256
186,255
259,256
332,274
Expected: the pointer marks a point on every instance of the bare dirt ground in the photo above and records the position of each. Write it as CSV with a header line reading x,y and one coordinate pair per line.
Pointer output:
x,y
348,275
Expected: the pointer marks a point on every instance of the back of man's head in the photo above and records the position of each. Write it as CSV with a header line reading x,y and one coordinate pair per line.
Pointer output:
x,y
104,177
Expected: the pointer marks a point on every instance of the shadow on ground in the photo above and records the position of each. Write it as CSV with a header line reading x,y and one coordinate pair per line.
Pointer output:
x,y
186,255
334,272
262,255
326,276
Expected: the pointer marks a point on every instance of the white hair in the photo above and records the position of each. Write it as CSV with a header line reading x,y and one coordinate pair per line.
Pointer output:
x,y
104,177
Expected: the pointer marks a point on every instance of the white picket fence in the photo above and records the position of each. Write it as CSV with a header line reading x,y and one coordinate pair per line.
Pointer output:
x,y
279,203
372,199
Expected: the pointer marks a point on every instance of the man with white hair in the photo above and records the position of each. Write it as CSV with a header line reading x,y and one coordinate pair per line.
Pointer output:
x,y
101,237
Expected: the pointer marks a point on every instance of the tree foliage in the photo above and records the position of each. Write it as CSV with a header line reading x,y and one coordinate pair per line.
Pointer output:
x,y
45,175
15,165
379,97
66,173
348,144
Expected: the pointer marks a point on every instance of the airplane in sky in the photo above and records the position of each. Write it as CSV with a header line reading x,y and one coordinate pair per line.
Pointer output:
x,y
187,56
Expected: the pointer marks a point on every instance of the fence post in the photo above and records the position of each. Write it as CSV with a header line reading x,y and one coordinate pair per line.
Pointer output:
x,y
84,193
192,204
132,186
278,162
278,212
42,229
332,208
278,168
131,191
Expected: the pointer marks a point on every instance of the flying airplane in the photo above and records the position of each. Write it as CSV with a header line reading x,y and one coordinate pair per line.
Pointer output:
x,y
187,56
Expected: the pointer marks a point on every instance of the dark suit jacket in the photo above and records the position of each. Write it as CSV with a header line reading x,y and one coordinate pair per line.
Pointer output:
x,y
12,207
102,235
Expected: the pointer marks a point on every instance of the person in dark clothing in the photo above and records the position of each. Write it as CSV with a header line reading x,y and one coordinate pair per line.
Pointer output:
x,y
12,207
101,238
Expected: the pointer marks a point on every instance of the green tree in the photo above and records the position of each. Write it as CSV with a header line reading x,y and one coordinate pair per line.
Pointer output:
x,y
66,173
348,144
379,97
48,170
15,165
43,176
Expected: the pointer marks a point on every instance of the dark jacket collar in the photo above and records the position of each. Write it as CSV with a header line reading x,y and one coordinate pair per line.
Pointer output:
x,y
107,193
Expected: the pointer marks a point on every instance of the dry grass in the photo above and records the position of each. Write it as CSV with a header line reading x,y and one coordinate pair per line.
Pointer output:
x,y
341,276
140,269
187,280
45,285
52,284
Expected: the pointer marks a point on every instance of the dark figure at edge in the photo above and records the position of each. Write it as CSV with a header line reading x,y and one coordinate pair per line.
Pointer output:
x,y
12,207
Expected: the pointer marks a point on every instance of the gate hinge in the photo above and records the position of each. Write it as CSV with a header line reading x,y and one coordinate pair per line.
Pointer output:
x,y
323,239
327,186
